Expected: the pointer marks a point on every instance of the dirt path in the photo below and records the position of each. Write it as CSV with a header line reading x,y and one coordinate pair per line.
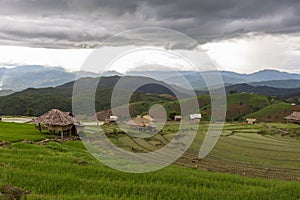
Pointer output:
x,y
17,119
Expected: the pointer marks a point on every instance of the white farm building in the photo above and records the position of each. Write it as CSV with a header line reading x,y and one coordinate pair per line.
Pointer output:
x,y
195,116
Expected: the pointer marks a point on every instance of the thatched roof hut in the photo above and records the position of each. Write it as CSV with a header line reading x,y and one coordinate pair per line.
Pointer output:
x,y
293,118
55,117
139,121
56,120
148,117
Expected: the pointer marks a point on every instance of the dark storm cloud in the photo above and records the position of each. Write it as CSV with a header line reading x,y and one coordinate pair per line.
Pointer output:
x,y
75,23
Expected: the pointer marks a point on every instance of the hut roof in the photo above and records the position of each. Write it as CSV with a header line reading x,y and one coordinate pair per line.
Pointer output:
x,y
148,117
139,121
55,117
250,120
294,116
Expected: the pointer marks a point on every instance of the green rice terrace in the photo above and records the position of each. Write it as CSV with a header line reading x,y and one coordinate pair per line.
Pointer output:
x,y
260,161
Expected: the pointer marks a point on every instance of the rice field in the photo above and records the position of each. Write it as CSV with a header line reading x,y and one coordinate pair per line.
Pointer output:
x,y
65,170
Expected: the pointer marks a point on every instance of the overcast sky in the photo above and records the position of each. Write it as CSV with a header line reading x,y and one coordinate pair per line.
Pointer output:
x,y
243,36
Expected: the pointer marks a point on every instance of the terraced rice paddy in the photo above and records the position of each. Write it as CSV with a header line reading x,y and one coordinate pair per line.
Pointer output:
x,y
65,170
249,150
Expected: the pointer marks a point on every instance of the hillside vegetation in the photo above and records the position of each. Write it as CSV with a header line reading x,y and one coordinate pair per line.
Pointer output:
x,y
37,101
238,105
273,113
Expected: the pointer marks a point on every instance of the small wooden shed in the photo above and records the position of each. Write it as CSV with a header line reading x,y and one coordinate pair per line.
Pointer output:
x,y
177,117
251,121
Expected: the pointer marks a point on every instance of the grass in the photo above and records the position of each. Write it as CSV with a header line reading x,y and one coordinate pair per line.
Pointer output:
x,y
67,171
57,174
14,132
242,148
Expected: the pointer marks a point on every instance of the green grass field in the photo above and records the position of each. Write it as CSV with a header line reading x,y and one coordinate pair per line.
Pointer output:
x,y
13,132
65,170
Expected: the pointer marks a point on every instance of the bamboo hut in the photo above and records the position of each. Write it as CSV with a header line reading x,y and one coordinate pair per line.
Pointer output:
x,y
141,124
293,118
56,120
148,117
139,121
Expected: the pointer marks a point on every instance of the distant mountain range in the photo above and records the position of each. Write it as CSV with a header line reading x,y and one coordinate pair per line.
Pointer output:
x,y
264,90
35,76
290,83
271,78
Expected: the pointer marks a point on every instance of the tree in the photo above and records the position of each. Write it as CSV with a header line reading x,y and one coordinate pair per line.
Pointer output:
x,y
29,112
172,114
232,91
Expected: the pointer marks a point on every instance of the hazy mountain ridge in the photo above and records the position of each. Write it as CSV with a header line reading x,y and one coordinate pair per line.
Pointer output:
x,y
289,83
271,78
263,90
36,76
6,92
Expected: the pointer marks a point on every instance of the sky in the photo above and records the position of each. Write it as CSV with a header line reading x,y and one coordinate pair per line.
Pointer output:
x,y
240,36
